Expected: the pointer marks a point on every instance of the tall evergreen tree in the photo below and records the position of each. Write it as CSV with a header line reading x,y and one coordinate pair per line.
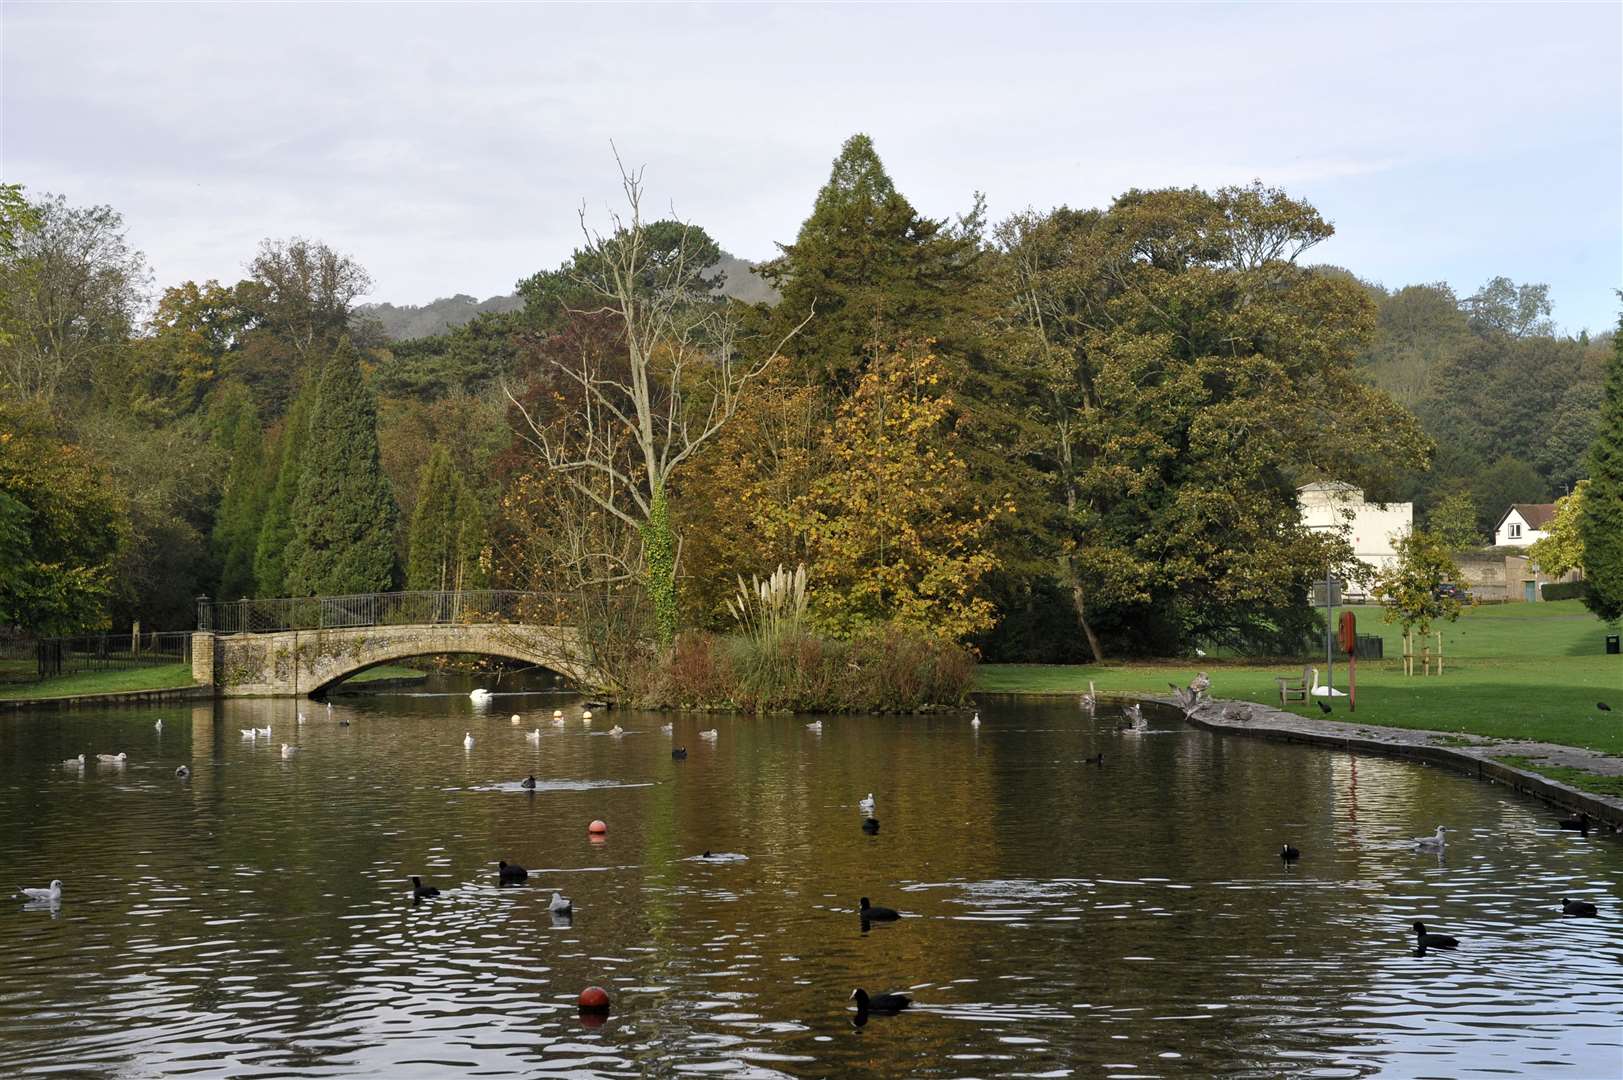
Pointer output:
x,y
1601,524
435,525
235,538
344,516
276,525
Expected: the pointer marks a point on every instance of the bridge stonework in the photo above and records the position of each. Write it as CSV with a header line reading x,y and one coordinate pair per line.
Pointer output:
x,y
290,663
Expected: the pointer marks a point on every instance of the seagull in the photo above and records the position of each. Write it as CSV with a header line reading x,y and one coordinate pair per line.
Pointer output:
x,y
1200,653
1430,843
301,718
72,761
1135,717
159,725
419,891
467,741
289,751
557,721
479,694
975,721
815,725
51,893
182,772
329,710
866,805
617,731
1189,700
561,905
248,732
666,729
711,734
1090,700
533,736
113,759
265,731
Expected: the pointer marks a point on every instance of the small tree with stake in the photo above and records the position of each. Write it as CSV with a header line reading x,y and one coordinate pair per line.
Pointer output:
x,y
1410,593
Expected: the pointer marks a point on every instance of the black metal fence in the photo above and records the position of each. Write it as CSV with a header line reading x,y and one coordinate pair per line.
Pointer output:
x,y
384,609
24,659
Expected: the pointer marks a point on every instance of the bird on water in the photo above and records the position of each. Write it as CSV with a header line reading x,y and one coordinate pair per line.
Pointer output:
x,y
1289,854
510,873
1576,907
877,914
1433,941
870,826
1430,843
419,891
879,1003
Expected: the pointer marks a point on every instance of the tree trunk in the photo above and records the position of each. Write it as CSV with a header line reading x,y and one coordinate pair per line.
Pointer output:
x,y
659,566
1082,611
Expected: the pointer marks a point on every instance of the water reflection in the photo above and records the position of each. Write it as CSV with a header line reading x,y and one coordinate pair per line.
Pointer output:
x,y
1060,918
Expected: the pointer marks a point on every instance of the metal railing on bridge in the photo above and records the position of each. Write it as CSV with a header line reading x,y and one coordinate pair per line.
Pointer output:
x,y
384,609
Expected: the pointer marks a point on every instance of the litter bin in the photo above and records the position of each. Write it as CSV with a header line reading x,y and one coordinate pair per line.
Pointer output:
x,y
1612,645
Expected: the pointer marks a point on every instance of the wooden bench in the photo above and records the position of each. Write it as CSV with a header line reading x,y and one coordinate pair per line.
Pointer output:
x,y
1296,690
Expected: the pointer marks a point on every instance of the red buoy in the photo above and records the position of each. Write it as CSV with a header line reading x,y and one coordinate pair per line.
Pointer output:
x,y
597,827
594,999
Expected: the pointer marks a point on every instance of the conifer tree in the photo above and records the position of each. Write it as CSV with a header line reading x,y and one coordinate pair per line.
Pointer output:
x,y
276,525
242,503
433,553
344,516
1601,522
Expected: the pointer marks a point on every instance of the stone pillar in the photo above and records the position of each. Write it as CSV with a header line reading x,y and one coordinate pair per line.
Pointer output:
x,y
203,657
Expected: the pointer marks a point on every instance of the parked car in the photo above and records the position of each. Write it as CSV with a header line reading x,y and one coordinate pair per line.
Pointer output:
x,y
1450,591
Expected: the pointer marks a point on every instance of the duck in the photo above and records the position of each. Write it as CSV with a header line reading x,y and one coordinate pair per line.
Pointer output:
x,y
72,761
975,721
467,741
1096,759
866,805
528,783
1577,907
479,694
877,914
1090,700
510,873
1433,941
1237,713
1200,683
815,725
343,722
1578,823
617,731
679,752
51,893
113,759
561,905
533,736
419,891
1135,718
1430,843
289,751
711,734
1288,853
870,825
879,1003
182,772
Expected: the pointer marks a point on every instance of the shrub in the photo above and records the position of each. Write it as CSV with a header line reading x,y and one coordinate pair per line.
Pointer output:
x,y
1565,590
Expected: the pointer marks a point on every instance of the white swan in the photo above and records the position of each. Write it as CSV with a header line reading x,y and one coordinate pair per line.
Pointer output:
x,y
113,759
289,751
1323,691
467,741
51,893
1430,843
479,694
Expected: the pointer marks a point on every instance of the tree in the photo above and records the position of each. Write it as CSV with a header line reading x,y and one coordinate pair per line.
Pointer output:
x,y
1503,307
60,527
1506,481
1454,521
277,526
436,526
1409,589
1562,547
235,539
69,290
189,342
1601,524
630,422
344,516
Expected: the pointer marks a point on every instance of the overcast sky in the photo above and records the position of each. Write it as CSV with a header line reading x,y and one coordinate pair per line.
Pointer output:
x,y
447,148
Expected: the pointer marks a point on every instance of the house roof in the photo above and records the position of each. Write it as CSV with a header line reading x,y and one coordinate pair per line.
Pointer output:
x,y
1537,515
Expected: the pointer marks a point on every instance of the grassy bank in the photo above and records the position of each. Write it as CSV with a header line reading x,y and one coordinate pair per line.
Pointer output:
x,y
1513,671
386,673
166,677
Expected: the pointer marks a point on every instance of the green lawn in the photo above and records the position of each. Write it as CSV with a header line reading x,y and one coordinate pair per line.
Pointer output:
x,y
386,671
1513,671
165,677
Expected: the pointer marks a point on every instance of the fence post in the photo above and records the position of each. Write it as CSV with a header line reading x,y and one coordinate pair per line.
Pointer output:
x,y
203,612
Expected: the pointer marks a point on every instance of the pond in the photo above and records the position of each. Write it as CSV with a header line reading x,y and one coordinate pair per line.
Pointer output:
x,y
1059,919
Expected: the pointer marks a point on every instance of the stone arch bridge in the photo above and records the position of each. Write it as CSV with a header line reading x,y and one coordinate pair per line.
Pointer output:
x,y
301,646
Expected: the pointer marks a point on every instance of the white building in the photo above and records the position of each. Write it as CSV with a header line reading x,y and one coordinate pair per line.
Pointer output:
x,y
1522,524
1370,527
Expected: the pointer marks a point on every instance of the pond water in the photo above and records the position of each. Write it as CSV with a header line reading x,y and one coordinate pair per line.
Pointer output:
x,y
1060,919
